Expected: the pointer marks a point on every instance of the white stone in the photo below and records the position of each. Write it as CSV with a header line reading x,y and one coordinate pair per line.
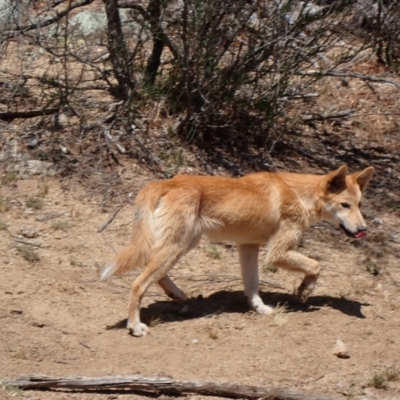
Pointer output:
x,y
340,350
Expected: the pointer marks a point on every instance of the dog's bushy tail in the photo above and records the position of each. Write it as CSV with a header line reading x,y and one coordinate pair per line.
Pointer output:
x,y
137,252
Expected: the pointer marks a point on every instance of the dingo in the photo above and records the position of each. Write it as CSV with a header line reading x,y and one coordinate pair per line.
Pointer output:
x,y
275,208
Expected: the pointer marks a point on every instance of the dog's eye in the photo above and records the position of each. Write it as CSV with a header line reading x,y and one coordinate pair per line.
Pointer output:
x,y
345,205
359,204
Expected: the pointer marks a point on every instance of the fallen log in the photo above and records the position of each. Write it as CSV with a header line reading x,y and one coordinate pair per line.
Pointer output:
x,y
159,385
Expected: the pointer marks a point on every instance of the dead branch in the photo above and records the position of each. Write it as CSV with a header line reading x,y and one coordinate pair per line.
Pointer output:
x,y
109,220
27,243
46,21
160,385
344,74
153,160
322,117
137,7
48,217
10,115
110,139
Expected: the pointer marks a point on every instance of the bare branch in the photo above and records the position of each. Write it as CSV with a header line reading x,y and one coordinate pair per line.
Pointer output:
x,y
27,243
137,7
108,136
322,117
45,21
344,74
147,16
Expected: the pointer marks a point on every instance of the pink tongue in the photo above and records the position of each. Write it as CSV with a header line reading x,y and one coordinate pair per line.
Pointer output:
x,y
361,234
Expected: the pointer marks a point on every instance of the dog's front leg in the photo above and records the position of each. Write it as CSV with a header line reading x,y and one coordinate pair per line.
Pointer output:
x,y
249,264
280,254
171,290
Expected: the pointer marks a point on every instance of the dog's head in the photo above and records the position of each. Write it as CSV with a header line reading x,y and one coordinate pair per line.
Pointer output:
x,y
342,200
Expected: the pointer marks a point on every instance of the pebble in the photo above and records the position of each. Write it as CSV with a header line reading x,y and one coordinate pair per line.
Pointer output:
x,y
340,350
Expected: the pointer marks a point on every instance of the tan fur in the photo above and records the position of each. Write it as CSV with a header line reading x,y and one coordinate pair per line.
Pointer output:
x,y
273,208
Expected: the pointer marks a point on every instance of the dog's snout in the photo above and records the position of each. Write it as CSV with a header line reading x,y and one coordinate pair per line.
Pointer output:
x,y
362,228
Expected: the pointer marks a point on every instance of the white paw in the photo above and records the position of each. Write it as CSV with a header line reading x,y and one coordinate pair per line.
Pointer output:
x,y
258,306
138,329
263,309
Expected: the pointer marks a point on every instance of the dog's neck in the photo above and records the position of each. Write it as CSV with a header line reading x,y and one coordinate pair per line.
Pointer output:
x,y
306,194
312,205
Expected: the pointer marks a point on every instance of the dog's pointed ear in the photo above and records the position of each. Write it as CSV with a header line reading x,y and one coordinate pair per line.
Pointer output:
x,y
337,180
363,177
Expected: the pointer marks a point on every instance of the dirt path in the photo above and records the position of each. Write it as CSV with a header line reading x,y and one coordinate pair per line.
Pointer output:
x,y
57,318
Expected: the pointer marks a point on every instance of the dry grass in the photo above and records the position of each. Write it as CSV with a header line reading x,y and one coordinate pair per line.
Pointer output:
x,y
392,374
270,268
373,268
11,391
20,353
154,322
279,315
3,226
60,225
35,203
377,381
213,252
4,205
73,262
213,332
28,254
153,319
10,177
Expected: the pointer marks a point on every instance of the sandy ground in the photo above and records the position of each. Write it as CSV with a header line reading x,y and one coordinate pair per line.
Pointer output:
x,y
58,318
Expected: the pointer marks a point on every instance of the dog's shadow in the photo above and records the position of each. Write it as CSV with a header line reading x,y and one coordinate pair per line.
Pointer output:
x,y
235,302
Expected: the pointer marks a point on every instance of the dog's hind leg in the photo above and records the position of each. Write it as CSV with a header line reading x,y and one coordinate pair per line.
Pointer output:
x,y
248,254
176,232
169,287
162,260
171,290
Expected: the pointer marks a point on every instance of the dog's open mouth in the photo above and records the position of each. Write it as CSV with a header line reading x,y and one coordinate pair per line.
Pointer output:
x,y
354,235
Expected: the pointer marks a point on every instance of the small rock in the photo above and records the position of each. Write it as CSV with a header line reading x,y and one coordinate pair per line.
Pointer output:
x,y
340,350
29,233
377,221
32,143
195,341
38,324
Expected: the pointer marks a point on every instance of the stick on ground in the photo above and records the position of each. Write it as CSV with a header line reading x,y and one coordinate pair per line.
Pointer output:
x,y
109,220
160,385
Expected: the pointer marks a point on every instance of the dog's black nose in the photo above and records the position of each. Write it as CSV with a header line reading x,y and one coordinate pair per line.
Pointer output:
x,y
362,228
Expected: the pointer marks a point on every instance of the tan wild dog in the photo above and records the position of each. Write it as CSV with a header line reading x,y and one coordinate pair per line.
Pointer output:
x,y
276,208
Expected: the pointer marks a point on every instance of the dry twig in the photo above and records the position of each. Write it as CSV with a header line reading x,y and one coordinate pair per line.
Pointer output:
x,y
109,220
